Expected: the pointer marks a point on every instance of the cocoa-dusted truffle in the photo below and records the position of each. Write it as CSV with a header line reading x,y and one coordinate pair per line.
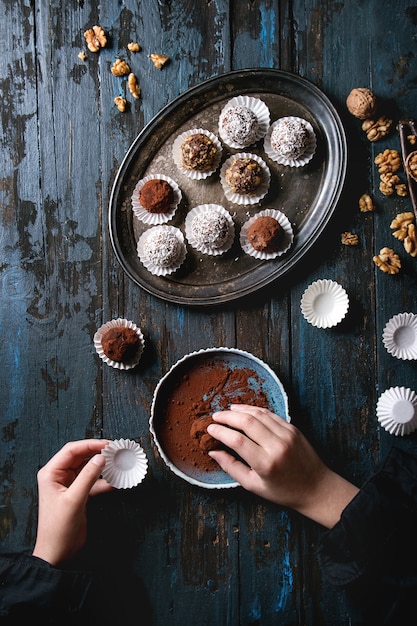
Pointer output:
x,y
265,234
239,125
198,152
199,432
120,343
244,175
290,138
361,103
156,196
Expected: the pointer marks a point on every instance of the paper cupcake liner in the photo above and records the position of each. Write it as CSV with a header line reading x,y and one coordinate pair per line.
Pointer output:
x,y
154,269
324,303
200,210
287,240
245,199
397,410
400,336
126,464
99,348
155,218
176,154
302,160
258,107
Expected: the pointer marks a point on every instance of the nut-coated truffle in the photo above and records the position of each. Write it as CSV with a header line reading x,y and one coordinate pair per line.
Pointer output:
x,y
244,175
198,152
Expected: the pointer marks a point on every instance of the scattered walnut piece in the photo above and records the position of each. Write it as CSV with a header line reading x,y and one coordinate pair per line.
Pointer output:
x,y
349,239
388,261
81,55
366,203
95,38
401,190
120,68
410,242
411,165
388,161
376,129
159,60
133,85
120,102
412,139
133,46
361,102
401,223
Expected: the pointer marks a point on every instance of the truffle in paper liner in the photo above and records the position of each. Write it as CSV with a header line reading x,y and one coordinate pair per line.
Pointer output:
x,y
287,238
161,249
291,161
176,154
220,245
245,199
261,114
155,218
126,464
99,347
324,303
397,410
400,336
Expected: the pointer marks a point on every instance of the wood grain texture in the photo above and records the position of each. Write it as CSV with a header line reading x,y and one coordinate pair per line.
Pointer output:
x,y
224,558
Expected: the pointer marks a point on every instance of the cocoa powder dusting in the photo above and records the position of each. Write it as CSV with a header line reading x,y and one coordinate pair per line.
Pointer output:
x,y
188,407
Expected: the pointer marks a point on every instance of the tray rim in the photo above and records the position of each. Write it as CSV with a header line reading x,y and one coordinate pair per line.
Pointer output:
x,y
160,117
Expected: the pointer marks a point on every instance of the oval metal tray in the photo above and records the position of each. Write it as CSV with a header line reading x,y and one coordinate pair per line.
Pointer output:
x,y
307,195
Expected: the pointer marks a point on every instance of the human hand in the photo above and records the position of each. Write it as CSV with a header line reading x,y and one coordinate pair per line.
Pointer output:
x,y
65,484
282,466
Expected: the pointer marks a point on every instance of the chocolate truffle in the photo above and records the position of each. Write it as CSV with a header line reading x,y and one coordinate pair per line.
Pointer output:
x,y
198,152
198,431
239,125
210,229
162,248
244,175
265,234
120,343
290,138
156,196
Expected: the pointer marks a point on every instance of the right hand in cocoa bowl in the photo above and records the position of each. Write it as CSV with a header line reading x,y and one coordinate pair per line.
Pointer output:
x,y
278,463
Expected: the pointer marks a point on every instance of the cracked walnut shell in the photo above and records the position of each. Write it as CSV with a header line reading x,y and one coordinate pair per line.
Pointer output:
x,y
411,165
95,38
120,68
387,261
361,102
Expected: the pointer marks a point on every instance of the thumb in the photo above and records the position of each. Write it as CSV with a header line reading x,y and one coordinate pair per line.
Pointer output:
x,y
88,476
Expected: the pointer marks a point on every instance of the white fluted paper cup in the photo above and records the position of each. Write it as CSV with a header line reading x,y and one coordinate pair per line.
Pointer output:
x,y
400,336
261,113
324,303
245,199
299,161
98,337
155,218
176,154
126,464
397,411
210,246
287,238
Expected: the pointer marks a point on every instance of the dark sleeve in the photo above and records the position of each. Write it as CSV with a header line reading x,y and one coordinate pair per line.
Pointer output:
x,y
372,551
34,592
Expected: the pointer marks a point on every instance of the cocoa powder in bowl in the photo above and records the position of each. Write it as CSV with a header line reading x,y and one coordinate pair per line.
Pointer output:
x,y
193,394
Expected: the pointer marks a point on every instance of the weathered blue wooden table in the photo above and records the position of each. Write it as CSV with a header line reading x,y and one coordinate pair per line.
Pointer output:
x,y
206,557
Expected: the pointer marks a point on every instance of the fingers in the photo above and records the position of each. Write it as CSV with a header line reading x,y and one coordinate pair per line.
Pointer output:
x,y
237,470
255,422
86,483
74,453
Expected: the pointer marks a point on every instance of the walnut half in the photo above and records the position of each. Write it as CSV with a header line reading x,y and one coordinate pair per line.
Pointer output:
x,y
376,129
159,60
120,68
388,261
95,38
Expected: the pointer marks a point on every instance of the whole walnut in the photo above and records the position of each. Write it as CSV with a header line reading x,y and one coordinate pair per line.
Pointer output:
x,y
361,102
